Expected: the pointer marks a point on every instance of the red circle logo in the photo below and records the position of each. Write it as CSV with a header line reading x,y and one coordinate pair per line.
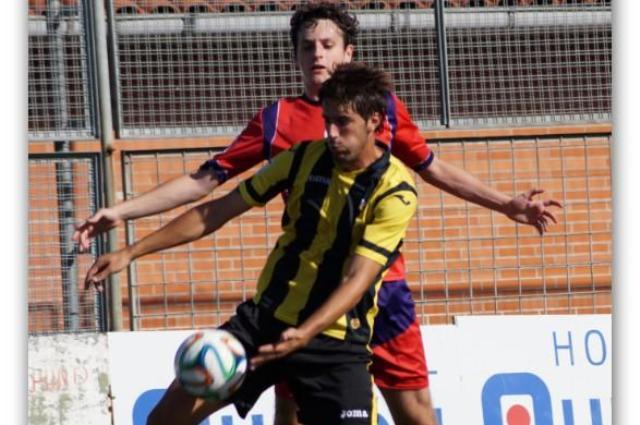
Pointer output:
x,y
518,415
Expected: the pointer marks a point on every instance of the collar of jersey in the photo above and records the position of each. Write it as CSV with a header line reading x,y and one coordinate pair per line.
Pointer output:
x,y
307,99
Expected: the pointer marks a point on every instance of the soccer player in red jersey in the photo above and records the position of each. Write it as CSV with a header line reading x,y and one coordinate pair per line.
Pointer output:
x,y
322,36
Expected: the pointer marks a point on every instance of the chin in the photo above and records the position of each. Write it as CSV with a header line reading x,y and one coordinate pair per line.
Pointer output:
x,y
320,78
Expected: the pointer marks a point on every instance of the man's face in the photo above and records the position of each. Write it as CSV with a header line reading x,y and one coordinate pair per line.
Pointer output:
x,y
349,134
320,48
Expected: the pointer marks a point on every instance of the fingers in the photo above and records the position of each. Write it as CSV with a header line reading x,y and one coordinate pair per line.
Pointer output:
x,y
533,192
289,334
82,235
550,215
539,228
266,353
84,239
548,203
94,275
289,342
79,236
100,222
99,271
552,202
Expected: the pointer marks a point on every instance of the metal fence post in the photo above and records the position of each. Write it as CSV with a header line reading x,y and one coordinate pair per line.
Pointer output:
x,y
127,183
443,66
96,8
66,214
64,173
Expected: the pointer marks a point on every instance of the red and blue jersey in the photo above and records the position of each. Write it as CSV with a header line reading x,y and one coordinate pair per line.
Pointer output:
x,y
284,123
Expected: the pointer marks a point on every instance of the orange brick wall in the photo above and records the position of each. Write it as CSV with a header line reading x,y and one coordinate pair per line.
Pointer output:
x,y
461,259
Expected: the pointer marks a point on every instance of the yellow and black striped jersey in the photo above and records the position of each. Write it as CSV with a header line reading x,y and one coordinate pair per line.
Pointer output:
x,y
330,215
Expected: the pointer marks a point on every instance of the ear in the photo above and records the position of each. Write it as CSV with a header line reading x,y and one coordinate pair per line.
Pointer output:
x,y
375,122
348,53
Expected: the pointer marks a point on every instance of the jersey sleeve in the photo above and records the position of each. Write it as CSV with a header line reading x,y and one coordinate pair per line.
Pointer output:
x,y
246,151
391,217
409,146
267,183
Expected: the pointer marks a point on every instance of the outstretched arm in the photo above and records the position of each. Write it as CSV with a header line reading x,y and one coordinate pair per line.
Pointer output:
x,y
361,273
193,224
173,193
521,208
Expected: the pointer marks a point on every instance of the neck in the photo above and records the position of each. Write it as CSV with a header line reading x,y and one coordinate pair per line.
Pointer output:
x,y
312,92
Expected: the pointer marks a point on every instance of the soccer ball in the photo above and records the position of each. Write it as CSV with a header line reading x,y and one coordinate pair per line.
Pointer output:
x,y
211,364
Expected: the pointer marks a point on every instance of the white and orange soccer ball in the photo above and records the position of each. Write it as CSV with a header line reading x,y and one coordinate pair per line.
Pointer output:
x,y
211,364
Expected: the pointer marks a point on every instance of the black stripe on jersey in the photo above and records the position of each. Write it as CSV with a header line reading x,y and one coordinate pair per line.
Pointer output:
x,y
400,187
298,154
305,227
330,271
362,334
269,194
373,247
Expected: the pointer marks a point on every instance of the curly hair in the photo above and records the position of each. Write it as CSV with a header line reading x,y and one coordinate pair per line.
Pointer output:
x,y
363,87
308,14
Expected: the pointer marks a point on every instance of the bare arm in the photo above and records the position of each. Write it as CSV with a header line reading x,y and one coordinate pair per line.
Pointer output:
x,y
173,193
361,273
460,183
193,224
521,208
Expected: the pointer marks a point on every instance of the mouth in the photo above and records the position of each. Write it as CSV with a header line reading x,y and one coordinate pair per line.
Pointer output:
x,y
318,68
336,150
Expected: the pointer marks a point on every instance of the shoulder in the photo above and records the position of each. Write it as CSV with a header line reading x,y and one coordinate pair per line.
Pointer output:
x,y
396,180
398,172
293,102
283,102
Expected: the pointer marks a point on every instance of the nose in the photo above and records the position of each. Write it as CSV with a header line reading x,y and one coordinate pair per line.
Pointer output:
x,y
332,131
318,50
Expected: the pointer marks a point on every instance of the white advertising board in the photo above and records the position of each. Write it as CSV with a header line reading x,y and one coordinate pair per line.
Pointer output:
x,y
493,370
538,370
142,367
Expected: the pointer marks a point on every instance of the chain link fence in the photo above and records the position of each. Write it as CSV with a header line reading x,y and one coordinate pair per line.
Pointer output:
x,y
63,188
194,68
508,66
464,259
60,93
461,258
185,71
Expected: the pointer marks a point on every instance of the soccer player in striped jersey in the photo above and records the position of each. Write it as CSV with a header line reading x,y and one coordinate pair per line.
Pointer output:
x,y
311,320
323,36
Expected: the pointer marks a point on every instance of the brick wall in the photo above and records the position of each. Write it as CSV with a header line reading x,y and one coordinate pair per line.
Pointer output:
x,y
461,259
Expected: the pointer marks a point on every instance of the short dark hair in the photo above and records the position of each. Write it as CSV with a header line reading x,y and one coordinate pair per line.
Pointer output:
x,y
363,87
307,15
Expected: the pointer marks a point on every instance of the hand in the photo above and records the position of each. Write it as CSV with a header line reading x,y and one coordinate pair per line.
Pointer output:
x,y
104,266
291,340
524,209
100,222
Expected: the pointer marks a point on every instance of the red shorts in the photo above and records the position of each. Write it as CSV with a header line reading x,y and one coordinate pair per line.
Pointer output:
x,y
398,360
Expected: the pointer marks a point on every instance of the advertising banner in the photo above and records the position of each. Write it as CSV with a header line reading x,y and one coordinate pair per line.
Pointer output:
x,y
533,370
490,370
